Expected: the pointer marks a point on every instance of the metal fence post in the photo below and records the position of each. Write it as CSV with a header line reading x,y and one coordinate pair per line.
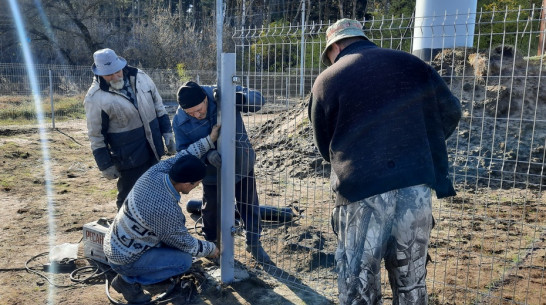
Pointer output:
x,y
302,54
51,99
541,35
227,172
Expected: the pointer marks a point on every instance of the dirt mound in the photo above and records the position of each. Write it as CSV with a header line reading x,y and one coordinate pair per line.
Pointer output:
x,y
285,144
501,136
499,142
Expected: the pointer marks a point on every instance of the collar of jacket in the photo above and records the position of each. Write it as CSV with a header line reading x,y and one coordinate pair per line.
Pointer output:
x,y
355,47
128,71
171,188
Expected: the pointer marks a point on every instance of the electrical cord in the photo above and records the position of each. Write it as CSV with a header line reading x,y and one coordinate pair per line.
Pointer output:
x,y
41,274
77,280
12,269
97,273
199,222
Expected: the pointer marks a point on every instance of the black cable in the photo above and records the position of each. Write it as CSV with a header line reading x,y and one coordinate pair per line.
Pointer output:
x,y
94,275
41,274
12,269
199,220
97,271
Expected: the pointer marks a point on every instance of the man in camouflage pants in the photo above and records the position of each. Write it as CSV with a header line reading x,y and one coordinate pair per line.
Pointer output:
x,y
381,118
394,225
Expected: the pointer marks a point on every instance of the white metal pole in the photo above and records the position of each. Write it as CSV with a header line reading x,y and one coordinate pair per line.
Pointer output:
x,y
227,172
219,31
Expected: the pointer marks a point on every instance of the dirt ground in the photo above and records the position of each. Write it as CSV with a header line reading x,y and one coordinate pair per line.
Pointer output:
x,y
461,244
488,246
80,195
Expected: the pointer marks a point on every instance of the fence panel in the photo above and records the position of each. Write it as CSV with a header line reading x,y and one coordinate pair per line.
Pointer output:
x,y
69,84
488,245
489,242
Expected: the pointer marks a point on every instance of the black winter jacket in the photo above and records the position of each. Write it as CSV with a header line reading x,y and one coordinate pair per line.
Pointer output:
x,y
381,118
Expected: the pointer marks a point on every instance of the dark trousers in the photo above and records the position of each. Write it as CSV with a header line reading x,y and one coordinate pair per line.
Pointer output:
x,y
247,204
129,177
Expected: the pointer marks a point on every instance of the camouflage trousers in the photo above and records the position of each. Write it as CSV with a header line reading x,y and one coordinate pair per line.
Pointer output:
x,y
394,226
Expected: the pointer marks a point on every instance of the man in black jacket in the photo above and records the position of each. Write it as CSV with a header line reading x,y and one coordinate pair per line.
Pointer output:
x,y
381,118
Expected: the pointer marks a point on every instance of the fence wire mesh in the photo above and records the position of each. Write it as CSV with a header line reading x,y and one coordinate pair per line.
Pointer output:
x,y
489,242
488,245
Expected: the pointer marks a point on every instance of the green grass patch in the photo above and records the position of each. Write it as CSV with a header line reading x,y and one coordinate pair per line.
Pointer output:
x,y
22,109
7,182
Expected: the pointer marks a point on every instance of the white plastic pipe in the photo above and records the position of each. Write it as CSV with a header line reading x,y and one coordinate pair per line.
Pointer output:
x,y
441,24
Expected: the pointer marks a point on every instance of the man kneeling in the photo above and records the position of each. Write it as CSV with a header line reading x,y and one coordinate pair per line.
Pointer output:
x,y
148,241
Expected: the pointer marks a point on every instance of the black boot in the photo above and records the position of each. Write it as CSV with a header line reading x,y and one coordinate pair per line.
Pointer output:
x,y
133,293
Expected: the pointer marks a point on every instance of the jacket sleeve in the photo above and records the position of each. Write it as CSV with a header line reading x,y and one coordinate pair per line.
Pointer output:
x,y
178,237
199,149
165,124
182,142
449,105
317,117
97,127
248,100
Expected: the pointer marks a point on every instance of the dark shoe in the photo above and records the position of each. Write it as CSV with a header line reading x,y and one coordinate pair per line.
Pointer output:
x,y
133,293
258,253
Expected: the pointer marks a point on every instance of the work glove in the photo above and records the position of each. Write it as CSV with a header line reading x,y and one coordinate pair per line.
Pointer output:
x,y
240,99
169,142
214,158
111,173
216,94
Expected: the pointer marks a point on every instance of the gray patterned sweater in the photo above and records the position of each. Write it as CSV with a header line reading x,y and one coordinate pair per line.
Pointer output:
x,y
151,215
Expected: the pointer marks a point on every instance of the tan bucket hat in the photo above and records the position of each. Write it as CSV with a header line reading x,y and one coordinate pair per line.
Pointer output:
x,y
343,28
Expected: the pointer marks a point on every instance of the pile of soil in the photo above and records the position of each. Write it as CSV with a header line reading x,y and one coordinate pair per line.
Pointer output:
x,y
285,144
500,140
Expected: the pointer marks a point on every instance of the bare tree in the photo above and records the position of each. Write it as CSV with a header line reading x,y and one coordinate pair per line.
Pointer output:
x,y
163,43
69,31
340,7
62,28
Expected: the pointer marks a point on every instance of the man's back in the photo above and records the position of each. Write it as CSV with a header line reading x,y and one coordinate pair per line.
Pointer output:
x,y
377,119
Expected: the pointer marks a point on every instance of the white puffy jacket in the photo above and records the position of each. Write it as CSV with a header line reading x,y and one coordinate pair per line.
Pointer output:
x,y
121,133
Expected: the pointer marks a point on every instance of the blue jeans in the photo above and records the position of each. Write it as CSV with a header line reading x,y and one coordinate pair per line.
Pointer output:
x,y
154,266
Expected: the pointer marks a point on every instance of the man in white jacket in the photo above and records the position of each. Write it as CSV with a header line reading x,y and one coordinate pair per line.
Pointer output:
x,y
126,121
